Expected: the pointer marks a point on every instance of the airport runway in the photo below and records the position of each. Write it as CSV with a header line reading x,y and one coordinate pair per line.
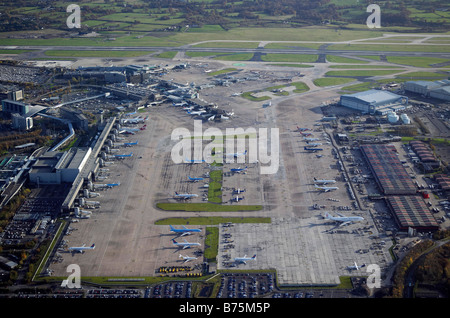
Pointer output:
x,y
232,50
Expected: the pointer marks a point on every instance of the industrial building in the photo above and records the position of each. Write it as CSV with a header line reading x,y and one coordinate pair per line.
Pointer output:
x,y
389,173
435,89
411,212
374,102
425,156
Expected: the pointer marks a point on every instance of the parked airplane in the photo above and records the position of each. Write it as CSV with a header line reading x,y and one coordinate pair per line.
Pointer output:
x,y
184,231
187,258
302,129
238,190
124,156
344,220
326,189
136,120
81,249
324,181
129,144
83,215
313,149
186,160
314,144
195,179
198,112
237,199
179,104
355,266
244,259
127,132
310,139
184,244
185,196
238,170
237,154
305,134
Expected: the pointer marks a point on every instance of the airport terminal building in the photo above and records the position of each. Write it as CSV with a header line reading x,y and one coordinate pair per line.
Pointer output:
x,y
55,167
374,101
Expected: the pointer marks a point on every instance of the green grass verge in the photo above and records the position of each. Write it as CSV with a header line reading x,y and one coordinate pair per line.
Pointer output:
x,y
413,75
340,59
300,87
206,207
417,61
362,72
215,186
249,96
291,65
211,243
390,47
330,81
211,220
235,57
167,55
286,57
6,51
365,67
225,70
93,53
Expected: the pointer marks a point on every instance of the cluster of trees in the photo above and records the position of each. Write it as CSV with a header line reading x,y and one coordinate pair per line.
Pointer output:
x,y
10,141
404,265
9,210
435,269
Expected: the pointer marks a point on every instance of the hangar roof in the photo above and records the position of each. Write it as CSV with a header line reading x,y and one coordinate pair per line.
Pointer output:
x,y
375,96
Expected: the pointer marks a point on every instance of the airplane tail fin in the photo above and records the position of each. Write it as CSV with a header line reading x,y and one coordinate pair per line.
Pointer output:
x,y
254,256
93,246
